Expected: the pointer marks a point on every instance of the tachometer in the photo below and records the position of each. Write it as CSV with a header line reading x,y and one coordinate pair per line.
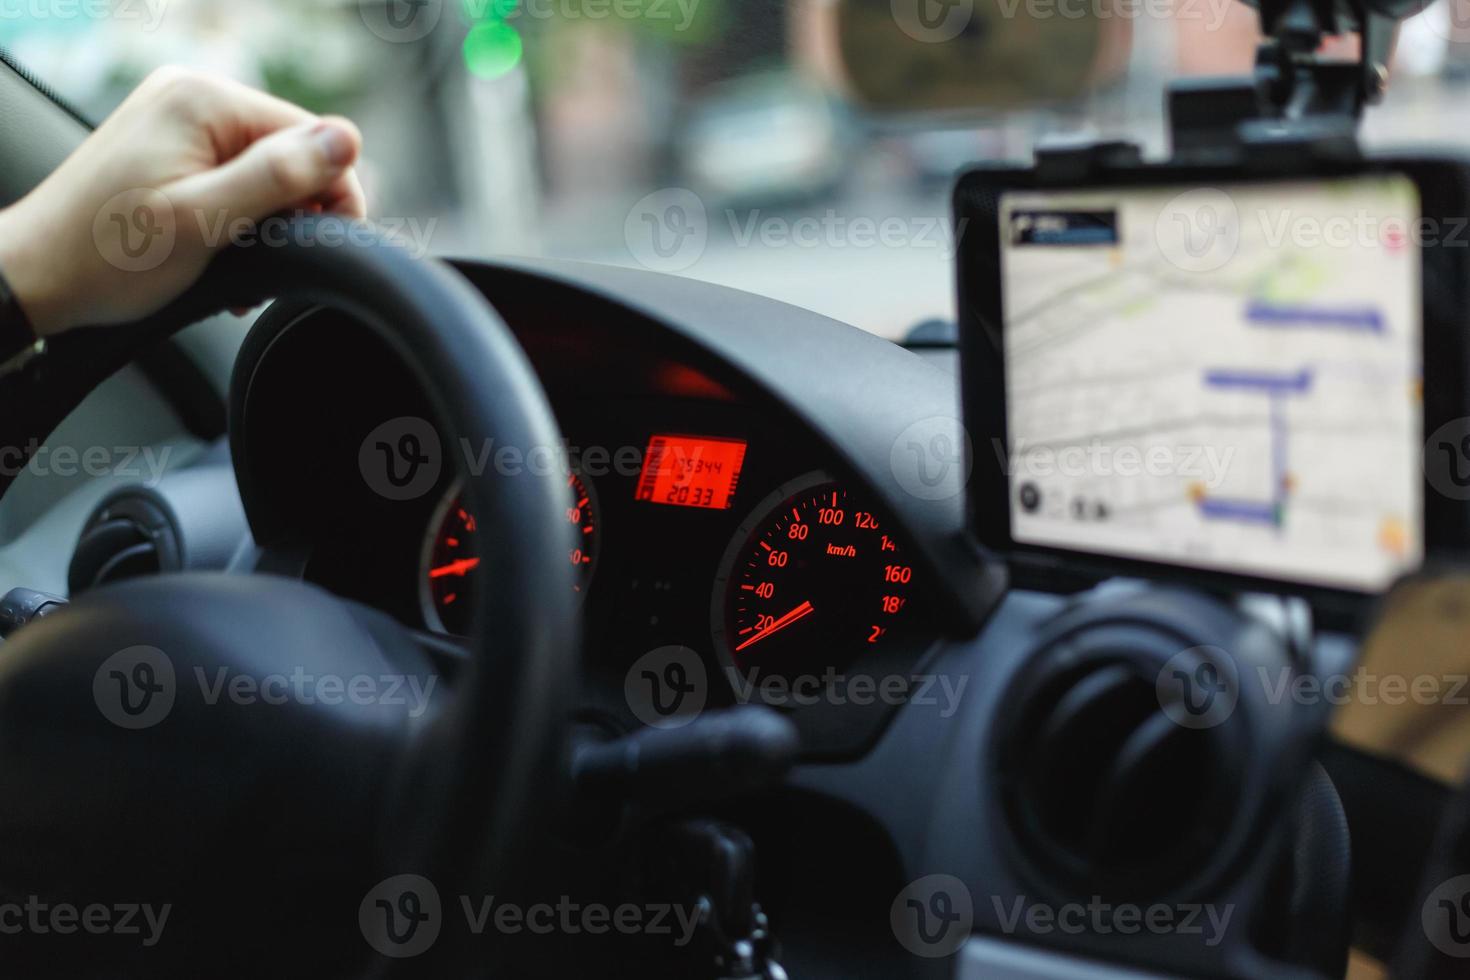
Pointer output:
x,y
450,562
812,581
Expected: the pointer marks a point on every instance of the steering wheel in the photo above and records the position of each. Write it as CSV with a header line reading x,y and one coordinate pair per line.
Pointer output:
x,y
138,769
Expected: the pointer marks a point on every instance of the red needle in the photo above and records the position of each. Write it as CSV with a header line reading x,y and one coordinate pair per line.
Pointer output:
x,y
462,567
803,610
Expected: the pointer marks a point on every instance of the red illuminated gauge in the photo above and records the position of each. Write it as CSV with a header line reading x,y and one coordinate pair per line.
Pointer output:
x,y
813,581
450,562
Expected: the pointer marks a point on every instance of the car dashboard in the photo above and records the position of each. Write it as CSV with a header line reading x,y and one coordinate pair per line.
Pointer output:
x,y
764,506
716,527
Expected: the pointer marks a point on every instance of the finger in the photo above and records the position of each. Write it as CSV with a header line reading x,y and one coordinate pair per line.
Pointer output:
x,y
345,197
245,115
233,115
286,169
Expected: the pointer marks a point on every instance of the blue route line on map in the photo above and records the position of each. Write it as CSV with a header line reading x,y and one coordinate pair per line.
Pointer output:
x,y
1262,314
1239,510
1275,387
1298,383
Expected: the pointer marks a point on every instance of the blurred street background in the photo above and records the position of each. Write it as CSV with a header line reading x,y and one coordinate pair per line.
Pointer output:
x,y
536,127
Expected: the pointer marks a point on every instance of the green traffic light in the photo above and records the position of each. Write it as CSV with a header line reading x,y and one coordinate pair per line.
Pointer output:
x,y
492,49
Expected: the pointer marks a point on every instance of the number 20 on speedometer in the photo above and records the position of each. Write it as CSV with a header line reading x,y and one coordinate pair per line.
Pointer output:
x,y
812,581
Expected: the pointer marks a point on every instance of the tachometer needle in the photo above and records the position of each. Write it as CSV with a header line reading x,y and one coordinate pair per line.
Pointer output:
x,y
461,567
801,611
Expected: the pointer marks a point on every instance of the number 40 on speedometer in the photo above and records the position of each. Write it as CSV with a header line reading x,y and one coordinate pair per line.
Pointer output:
x,y
812,580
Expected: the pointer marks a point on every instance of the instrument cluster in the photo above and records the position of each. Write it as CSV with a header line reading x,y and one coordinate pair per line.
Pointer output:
x,y
704,527
722,501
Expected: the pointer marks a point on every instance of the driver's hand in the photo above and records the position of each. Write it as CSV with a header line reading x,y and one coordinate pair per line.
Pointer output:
x,y
132,218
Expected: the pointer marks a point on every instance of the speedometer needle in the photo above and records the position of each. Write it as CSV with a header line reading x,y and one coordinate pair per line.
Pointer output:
x,y
801,611
461,567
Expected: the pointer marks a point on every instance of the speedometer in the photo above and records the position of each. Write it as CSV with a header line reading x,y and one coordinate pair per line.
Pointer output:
x,y
812,581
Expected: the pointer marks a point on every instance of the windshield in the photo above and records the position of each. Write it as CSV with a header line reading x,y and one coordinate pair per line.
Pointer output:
x,y
705,138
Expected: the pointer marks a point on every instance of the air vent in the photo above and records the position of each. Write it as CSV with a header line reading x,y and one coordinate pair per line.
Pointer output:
x,y
1107,791
129,536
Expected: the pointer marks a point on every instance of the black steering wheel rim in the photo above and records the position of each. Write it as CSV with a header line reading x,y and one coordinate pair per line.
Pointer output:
x,y
480,762
468,785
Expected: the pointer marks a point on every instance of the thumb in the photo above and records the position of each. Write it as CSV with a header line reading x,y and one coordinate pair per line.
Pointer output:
x,y
285,169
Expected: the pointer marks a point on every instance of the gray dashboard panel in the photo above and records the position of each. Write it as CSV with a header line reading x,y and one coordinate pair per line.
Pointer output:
x,y
37,135
43,512
991,959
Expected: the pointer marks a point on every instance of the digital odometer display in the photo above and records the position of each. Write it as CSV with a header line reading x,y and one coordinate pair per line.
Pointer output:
x,y
691,471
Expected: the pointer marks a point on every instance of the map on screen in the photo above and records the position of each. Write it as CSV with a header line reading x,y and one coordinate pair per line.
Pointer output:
x,y
1224,378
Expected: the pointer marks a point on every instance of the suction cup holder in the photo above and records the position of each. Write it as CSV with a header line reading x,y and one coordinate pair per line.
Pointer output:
x,y
1296,96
